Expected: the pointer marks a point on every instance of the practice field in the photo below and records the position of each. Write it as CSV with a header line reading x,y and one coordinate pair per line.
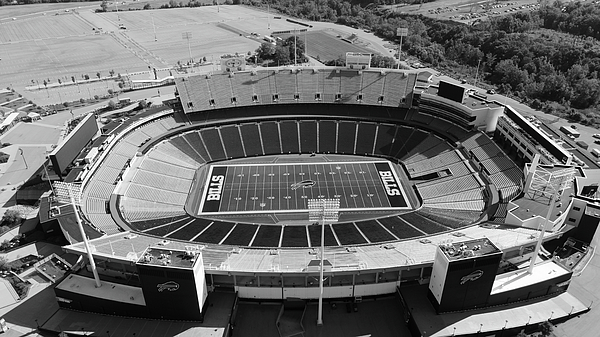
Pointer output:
x,y
214,31
325,47
279,188
43,27
53,58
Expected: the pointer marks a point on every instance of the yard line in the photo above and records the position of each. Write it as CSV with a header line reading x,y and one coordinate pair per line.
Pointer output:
x,y
304,196
254,175
239,194
339,190
314,176
228,186
326,169
295,179
370,167
357,181
360,181
279,194
385,201
246,179
350,184
264,191
271,188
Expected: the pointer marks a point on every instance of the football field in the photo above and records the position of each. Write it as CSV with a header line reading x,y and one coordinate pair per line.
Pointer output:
x,y
284,188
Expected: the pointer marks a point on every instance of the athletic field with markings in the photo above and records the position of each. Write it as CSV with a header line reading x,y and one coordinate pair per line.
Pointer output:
x,y
284,188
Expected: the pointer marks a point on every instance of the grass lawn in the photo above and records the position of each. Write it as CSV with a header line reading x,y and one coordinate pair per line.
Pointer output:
x,y
325,47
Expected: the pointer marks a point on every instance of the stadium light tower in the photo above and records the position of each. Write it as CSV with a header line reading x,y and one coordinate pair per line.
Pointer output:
x,y
401,32
71,194
552,185
323,211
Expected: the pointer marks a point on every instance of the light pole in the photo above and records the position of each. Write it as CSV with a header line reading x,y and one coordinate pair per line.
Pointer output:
x,y
477,72
22,156
323,211
71,193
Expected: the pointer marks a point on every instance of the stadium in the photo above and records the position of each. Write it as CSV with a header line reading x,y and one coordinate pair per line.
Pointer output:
x,y
222,175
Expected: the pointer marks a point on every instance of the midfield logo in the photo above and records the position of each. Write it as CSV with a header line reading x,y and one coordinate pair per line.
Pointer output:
x,y
303,184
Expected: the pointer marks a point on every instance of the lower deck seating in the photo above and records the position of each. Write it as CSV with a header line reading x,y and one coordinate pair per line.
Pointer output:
x,y
447,186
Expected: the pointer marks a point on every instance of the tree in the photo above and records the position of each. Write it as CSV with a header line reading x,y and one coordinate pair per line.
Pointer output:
x,y
112,73
110,92
294,43
87,77
81,100
282,54
96,97
11,218
98,75
265,51
73,79
112,105
546,328
381,61
121,85
104,6
143,104
147,6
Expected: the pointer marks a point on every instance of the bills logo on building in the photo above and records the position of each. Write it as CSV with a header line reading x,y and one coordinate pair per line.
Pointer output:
x,y
471,277
169,285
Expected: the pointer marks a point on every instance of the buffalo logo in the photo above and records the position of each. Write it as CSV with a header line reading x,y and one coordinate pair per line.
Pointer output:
x,y
471,277
170,286
303,184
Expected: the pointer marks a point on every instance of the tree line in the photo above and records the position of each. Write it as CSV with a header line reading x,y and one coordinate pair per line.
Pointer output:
x,y
28,2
